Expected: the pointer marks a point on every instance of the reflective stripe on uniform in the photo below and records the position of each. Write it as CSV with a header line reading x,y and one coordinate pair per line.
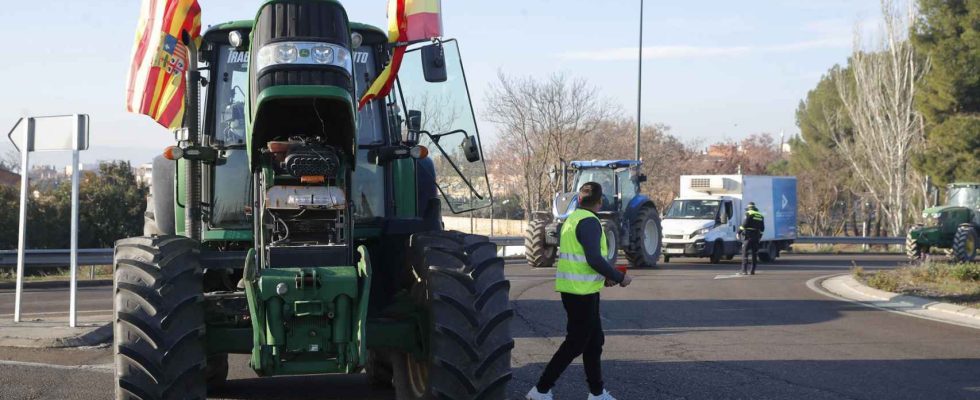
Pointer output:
x,y
572,257
580,277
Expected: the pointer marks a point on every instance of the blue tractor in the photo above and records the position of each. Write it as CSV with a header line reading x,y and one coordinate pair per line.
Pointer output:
x,y
630,220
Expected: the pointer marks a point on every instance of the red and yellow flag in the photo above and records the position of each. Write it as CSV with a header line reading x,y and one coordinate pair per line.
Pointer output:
x,y
156,82
408,21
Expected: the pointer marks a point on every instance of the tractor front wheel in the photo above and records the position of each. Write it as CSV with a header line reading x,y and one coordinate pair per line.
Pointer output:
x,y
159,320
913,249
645,239
538,252
461,287
965,244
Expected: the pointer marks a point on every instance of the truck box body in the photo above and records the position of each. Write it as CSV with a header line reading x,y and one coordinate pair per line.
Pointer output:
x,y
706,215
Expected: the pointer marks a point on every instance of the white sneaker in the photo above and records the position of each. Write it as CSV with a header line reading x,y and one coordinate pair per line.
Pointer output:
x,y
604,396
534,394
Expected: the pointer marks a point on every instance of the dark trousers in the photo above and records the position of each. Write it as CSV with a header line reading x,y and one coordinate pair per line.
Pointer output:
x,y
584,338
750,244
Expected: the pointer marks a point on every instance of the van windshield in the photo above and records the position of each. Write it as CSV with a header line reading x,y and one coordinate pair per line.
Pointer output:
x,y
693,209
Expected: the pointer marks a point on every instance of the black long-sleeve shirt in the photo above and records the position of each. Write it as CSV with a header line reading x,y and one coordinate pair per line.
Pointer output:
x,y
589,234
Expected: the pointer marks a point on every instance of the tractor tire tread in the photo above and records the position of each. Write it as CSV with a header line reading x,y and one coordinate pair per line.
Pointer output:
x,y
635,252
536,250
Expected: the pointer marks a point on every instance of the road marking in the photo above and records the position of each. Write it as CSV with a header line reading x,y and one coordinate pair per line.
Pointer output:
x,y
104,368
60,313
729,276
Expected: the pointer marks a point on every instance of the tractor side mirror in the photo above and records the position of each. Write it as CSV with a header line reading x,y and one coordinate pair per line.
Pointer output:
x,y
414,122
470,149
434,64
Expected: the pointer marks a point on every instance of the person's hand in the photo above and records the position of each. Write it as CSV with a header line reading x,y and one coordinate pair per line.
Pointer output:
x,y
626,281
610,283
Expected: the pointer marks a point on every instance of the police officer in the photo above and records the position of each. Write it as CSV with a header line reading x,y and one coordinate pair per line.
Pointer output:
x,y
751,231
582,272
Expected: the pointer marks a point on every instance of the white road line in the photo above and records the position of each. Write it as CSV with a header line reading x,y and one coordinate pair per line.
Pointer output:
x,y
104,368
729,276
60,313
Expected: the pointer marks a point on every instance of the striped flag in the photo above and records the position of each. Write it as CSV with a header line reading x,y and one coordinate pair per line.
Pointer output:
x,y
156,82
409,21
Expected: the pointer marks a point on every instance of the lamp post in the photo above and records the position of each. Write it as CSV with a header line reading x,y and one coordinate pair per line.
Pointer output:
x,y
639,87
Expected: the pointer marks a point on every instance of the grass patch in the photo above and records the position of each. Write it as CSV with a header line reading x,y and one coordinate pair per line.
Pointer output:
x,y
58,274
957,283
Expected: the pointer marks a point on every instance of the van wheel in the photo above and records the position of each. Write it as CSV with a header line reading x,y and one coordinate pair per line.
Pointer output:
x,y
717,252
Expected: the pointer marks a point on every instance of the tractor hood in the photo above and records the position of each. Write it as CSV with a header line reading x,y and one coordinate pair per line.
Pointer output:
x,y
929,212
564,204
685,227
301,75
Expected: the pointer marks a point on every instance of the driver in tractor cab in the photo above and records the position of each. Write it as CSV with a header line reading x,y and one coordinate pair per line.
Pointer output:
x,y
582,272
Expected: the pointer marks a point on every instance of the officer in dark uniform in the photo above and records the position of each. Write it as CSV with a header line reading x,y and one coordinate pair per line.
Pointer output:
x,y
751,233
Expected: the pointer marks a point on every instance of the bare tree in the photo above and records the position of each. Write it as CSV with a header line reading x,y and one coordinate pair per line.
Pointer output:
x,y
878,98
542,122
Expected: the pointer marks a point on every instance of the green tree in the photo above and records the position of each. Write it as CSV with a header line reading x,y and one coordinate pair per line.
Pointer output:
x,y
948,31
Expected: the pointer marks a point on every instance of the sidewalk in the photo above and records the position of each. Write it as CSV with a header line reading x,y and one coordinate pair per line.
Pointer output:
x,y
845,287
51,333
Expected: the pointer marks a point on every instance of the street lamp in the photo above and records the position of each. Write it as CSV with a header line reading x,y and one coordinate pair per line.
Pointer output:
x,y
639,87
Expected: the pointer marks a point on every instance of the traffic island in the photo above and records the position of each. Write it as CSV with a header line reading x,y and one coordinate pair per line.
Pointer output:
x,y
846,287
40,333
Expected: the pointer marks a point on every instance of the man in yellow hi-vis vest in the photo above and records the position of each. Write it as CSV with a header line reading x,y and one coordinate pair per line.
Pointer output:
x,y
582,272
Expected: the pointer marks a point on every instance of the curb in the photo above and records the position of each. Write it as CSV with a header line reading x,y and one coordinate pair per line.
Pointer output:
x,y
93,337
55,284
844,287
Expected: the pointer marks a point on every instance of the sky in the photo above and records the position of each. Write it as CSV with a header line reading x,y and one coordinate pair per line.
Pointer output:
x,y
712,69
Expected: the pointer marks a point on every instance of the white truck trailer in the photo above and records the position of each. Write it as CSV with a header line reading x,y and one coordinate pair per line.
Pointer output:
x,y
703,221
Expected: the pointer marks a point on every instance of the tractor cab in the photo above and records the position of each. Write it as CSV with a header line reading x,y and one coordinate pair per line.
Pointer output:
x,y
620,181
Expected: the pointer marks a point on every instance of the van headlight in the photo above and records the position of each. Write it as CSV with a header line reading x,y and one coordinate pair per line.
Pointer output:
x,y
304,53
701,232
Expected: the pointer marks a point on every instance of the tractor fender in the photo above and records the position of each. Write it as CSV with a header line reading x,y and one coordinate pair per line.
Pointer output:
x,y
636,204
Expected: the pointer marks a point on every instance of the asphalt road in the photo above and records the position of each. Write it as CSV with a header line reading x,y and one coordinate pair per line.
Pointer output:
x,y
676,333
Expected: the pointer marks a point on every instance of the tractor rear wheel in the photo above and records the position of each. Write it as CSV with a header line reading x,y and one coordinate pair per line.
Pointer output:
x,y
462,288
538,252
216,372
611,229
913,249
645,239
159,319
965,244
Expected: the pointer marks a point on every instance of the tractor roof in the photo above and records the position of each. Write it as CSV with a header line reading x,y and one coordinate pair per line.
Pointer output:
x,y
605,164
242,24
965,184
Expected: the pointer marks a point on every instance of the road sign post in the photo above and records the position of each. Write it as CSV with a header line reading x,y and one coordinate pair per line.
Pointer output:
x,y
51,133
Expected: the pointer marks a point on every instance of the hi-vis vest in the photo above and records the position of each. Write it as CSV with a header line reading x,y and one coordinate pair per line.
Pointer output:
x,y
574,275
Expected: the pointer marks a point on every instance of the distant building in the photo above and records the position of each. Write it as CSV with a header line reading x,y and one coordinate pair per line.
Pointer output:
x,y
8,178
82,167
44,172
144,174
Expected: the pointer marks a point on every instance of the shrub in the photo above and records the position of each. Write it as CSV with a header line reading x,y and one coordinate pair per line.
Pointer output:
x,y
883,280
966,272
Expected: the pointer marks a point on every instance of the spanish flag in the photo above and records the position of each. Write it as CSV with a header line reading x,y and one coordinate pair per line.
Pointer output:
x,y
156,82
409,21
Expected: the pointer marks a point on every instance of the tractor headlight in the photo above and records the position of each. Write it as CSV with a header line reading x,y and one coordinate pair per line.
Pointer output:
x,y
304,53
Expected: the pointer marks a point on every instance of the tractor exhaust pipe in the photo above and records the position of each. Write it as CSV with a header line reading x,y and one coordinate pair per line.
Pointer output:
x,y
192,211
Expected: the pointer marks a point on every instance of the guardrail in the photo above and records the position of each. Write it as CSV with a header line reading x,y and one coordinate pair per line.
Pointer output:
x,y
59,257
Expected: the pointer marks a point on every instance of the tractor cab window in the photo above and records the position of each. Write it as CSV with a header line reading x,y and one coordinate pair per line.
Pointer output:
x,y
368,183
627,185
230,80
448,127
605,177
369,119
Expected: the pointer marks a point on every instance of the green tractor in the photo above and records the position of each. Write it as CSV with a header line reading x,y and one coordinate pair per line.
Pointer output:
x,y
305,235
954,226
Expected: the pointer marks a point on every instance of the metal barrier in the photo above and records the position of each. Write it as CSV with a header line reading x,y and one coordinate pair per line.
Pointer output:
x,y
60,257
